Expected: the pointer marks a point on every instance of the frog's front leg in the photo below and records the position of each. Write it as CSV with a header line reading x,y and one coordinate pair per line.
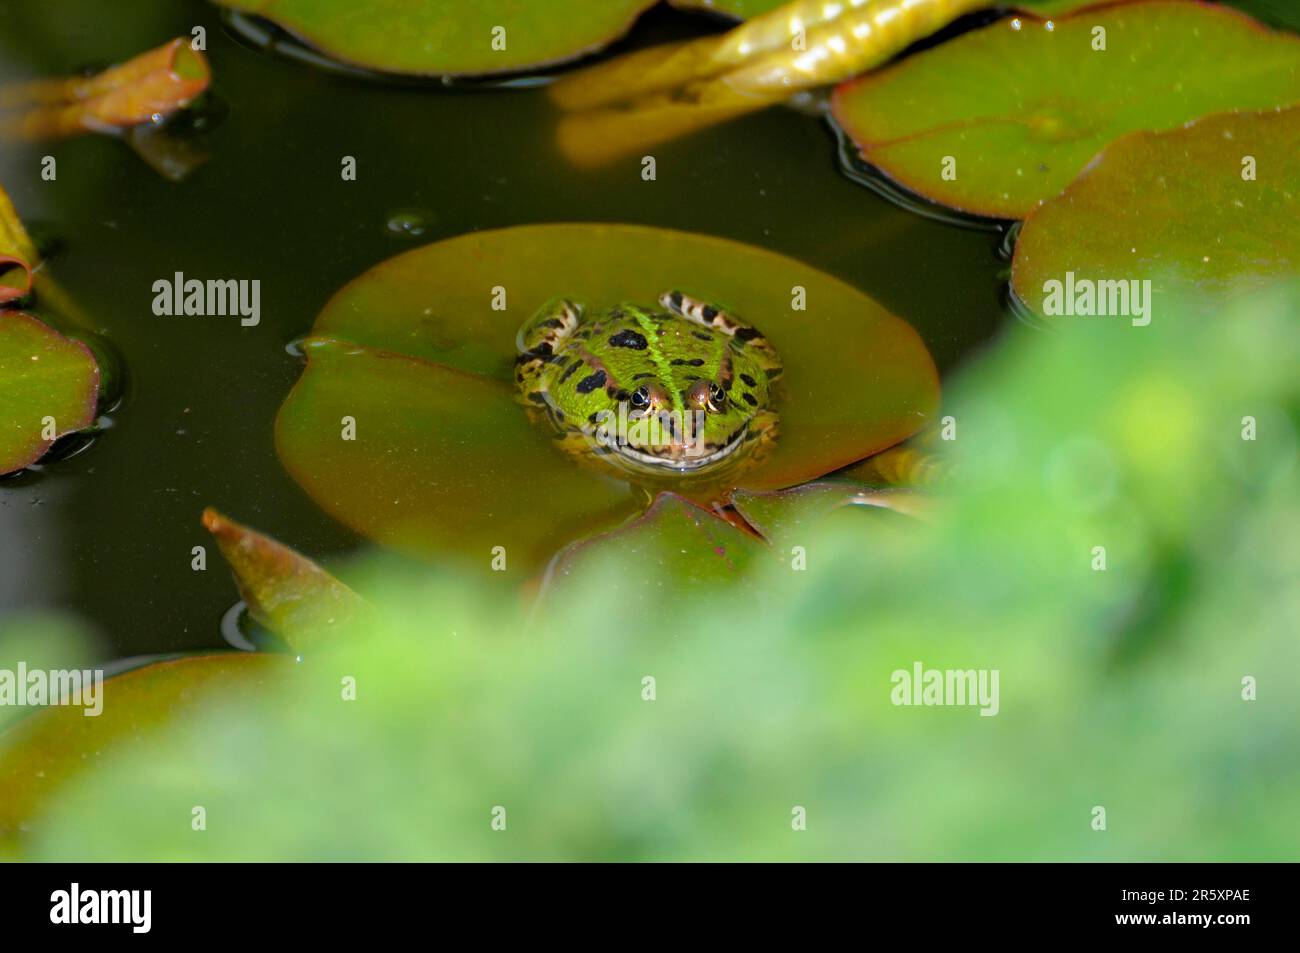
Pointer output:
x,y
540,337
761,438
552,323
746,336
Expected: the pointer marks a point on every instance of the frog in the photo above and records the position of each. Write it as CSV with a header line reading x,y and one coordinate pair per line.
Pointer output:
x,y
682,389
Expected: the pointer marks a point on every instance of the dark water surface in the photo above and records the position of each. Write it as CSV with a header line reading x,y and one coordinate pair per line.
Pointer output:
x,y
107,534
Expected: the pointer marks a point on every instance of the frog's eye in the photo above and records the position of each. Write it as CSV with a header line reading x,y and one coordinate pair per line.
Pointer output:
x,y
640,397
717,396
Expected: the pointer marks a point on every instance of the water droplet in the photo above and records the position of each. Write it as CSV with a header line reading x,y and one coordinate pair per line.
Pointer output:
x,y
408,224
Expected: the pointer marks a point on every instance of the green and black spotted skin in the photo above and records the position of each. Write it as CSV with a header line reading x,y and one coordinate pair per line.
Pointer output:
x,y
705,375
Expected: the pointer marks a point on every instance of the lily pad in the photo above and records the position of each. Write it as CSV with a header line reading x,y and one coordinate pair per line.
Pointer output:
x,y
1002,118
674,551
49,385
44,751
450,37
284,590
787,516
1202,212
678,550
444,459
1281,11
740,9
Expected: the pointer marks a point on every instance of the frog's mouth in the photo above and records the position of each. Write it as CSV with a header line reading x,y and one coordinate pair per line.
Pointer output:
x,y
679,457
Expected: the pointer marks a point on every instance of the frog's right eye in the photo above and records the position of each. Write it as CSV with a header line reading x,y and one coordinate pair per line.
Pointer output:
x,y
640,398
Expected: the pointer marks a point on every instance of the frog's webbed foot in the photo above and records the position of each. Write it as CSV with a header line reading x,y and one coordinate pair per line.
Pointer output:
x,y
745,336
761,438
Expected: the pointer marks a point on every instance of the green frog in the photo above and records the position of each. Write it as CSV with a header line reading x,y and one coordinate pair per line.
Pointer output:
x,y
682,389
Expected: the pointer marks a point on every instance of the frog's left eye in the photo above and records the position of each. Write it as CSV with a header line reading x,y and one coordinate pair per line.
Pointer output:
x,y
717,397
640,397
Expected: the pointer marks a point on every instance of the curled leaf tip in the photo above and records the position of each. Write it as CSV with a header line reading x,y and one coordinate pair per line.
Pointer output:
x,y
146,88
284,590
17,254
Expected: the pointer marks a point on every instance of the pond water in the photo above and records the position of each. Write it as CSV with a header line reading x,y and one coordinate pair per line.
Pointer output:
x,y
107,534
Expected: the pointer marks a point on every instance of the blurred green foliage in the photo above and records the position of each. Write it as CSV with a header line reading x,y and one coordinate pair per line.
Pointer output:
x,y
1120,688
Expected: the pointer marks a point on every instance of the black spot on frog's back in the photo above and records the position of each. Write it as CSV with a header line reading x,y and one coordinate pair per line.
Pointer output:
x,y
591,382
629,339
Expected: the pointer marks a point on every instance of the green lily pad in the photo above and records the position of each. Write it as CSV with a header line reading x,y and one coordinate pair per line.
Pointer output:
x,y
677,550
787,516
443,460
1269,10
1203,212
1279,11
284,590
740,9
446,460
42,752
1021,110
1057,7
450,37
674,551
49,385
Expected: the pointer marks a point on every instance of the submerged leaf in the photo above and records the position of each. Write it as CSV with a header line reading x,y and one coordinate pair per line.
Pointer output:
x,y
1002,118
284,590
445,460
1202,212
49,385
143,89
449,37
